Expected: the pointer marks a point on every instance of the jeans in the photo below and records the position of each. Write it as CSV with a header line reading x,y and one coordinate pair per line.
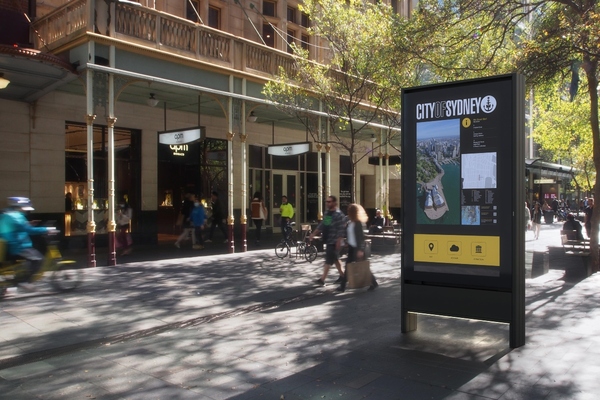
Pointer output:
x,y
258,223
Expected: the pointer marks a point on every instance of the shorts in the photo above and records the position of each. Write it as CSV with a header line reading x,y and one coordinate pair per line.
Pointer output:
x,y
331,254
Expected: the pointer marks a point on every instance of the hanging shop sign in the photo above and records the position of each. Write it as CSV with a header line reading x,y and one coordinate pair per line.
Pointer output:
x,y
181,137
181,146
543,181
289,149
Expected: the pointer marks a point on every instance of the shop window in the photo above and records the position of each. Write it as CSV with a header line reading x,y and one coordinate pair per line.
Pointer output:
x,y
192,10
197,168
345,197
127,173
269,8
345,164
255,156
291,14
289,163
214,17
269,35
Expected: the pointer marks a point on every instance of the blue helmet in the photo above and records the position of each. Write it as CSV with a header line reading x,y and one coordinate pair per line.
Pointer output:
x,y
20,202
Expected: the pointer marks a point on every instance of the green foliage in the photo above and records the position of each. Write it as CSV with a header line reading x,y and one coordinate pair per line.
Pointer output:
x,y
562,129
426,169
357,81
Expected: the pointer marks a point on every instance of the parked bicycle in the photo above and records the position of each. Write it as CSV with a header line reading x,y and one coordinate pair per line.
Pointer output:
x,y
64,274
298,248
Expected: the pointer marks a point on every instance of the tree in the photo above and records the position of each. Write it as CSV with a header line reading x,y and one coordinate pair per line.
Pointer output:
x,y
562,129
550,38
355,86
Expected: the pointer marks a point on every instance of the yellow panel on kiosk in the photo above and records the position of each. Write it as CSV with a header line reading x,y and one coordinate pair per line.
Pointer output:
x,y
458,249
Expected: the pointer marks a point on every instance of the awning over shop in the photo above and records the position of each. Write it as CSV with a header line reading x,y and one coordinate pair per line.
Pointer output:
x,y
547,169
32,73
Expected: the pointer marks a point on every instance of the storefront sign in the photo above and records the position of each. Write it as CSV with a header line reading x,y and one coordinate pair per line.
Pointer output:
x,y
290,149
543,181
181,137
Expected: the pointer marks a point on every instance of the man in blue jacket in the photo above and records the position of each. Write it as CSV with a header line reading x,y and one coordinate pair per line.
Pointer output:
x,y
15,230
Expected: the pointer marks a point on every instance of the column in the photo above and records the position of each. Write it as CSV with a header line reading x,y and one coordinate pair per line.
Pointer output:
x,y
230,136
380,190
387,181
244,169
110,121
320,182
89,120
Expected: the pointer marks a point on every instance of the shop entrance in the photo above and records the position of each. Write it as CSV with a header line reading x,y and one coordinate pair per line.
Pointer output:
x,y
284,183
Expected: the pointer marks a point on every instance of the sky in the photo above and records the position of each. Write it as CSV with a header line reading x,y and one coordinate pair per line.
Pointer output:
x,y
446,128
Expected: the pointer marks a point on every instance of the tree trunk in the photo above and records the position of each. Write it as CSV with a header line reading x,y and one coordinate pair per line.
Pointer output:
x,y
354,185
591,69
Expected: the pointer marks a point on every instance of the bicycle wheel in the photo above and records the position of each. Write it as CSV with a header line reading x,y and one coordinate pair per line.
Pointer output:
x,y
282,250
66,276
310,252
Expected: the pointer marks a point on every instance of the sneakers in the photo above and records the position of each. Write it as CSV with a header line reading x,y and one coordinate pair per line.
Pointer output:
x,y
319,282
177,245
208,241
340,289
339,280
373,286
197,247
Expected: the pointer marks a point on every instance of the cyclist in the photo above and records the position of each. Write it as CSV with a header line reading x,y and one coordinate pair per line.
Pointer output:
x,y
287,213
15,230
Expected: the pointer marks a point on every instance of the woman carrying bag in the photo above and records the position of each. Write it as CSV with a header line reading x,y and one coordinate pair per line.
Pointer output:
x,y
259,214
355,237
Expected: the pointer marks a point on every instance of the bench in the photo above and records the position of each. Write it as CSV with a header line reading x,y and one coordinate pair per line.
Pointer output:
x,y
573,246
576,247
388,240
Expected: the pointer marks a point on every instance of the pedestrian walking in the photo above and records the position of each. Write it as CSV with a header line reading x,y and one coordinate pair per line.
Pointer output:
x,y
332,229
124,240
198,218
355,236
184,220
536,219
218,217
259,213
588,211
527,217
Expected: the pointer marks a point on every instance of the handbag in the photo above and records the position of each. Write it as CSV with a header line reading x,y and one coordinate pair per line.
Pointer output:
x,y
358,274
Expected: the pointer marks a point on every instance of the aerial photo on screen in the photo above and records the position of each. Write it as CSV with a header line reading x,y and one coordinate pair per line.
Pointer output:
x,y
438,172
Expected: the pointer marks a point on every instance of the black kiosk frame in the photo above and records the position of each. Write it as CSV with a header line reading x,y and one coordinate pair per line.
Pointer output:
x,y
463,170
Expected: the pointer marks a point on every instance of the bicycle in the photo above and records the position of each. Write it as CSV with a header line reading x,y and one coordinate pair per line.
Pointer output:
x,y
65,275
302,247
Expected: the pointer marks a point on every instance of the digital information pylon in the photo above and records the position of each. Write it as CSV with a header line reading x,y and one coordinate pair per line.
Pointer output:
x,y
463,199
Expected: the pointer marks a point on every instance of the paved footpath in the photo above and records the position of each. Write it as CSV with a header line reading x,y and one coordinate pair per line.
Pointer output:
x,y
250,326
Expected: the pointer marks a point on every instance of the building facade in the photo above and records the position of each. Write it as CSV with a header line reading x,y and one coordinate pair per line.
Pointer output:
x,y
96,86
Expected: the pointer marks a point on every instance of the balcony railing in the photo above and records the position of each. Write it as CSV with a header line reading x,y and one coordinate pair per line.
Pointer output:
x,y
155,29
60,25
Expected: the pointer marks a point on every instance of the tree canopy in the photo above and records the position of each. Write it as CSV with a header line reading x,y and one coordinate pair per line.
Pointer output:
x,y
354,85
